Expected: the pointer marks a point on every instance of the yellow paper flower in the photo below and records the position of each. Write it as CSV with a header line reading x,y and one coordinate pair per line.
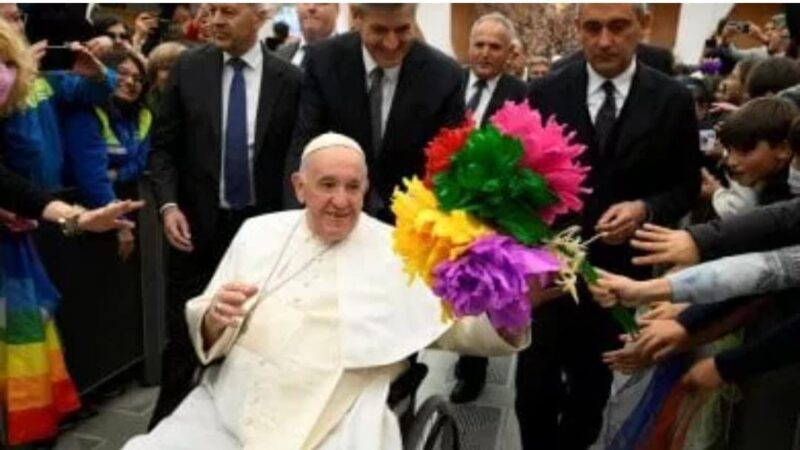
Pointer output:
x,y
424,235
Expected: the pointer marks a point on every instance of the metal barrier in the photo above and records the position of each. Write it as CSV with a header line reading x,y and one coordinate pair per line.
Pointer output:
x,y
111,315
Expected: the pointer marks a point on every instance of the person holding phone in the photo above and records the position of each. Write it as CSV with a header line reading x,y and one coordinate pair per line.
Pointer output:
x,y
107,145
774,42
27,297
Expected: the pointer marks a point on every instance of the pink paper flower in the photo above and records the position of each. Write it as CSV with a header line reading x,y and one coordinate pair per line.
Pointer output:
x,y
549,151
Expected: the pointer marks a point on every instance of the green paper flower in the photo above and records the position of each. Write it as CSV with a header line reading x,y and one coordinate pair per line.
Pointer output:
x,y
486,180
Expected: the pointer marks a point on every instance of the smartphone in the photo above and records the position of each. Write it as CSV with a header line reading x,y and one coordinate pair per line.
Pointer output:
x,y
58,57
708,138
740,26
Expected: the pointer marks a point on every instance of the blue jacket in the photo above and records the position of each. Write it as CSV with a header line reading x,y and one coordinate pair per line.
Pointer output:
x,y
100,139
32,137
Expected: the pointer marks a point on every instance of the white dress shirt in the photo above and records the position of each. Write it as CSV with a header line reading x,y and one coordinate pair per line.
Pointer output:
x,y
254,60
488,91
390,77
297,59
595,96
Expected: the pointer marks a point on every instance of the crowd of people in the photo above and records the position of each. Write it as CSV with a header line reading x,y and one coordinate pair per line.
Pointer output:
x,y
688,203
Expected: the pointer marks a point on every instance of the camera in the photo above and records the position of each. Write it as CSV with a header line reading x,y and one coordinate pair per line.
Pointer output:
x,y
740,26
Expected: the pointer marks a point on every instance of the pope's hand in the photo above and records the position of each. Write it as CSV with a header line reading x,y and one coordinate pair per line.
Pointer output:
x,y
227,308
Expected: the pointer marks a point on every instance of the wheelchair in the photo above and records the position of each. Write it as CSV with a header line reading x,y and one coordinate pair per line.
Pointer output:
x,y
430,426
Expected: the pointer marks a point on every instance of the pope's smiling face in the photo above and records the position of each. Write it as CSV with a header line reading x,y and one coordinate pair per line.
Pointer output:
x,y
332,183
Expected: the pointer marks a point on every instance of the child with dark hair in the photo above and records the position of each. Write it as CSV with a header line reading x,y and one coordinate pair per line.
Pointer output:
x,y
771,76
794,167
758,151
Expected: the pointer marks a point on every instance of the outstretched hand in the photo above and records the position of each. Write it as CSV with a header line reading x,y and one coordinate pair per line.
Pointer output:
x,y
109,217
664,246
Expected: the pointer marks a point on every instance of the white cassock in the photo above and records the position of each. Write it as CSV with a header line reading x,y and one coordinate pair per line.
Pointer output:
x,y
311,367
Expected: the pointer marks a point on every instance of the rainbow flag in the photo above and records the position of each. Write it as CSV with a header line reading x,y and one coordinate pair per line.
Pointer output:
x,y
36,391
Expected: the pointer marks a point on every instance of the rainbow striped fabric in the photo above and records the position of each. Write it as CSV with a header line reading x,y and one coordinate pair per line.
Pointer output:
x,y
36,391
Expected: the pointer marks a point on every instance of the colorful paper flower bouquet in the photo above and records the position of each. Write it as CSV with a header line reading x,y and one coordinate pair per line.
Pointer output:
x,y
477,229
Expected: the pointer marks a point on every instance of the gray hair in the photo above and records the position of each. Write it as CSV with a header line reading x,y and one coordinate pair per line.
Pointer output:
x,y
497,18
639,9
362,8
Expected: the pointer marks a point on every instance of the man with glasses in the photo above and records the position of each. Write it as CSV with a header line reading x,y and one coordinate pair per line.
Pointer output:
x,y
642,144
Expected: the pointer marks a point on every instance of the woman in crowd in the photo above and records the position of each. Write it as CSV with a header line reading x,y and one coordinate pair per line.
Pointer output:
x,y
159,63
107,145
114,28
38,392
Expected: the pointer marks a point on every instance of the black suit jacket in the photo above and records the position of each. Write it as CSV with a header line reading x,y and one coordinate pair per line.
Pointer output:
x,y
187,138
429,95
653,152
286,51
508,88
657,58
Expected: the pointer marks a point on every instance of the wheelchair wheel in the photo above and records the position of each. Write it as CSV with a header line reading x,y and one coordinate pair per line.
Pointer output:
x,y
434,427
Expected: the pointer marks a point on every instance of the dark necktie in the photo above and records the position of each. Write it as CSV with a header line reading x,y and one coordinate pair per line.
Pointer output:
x,y
475,100
606,116
237,164
376,108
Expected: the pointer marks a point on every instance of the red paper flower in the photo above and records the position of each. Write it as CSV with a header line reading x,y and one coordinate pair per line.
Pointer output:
x,y
444,145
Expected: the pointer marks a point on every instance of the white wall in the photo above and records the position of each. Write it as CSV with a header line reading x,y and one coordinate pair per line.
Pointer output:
x,y
696,23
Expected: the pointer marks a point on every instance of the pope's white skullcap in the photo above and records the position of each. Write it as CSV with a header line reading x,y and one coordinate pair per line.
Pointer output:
x,y
329,140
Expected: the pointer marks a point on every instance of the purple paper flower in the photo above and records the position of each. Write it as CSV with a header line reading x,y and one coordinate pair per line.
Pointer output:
x,y
494,277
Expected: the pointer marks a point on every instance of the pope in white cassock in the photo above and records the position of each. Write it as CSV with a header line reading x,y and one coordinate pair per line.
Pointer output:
x,y
314,318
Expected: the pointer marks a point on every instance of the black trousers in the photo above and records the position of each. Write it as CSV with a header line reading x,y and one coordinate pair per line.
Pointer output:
x,y
188,275
562,383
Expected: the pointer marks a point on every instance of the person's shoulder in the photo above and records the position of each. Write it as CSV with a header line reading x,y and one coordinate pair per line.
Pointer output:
x,y
515,85
556,78
287,50
661,82
280,66
437,59
336,45
199,54
263,224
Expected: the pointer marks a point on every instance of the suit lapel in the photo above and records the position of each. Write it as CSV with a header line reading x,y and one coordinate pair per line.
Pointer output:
x,y
214,85
637,112
271,88
498,97
401,103
575,92
352,80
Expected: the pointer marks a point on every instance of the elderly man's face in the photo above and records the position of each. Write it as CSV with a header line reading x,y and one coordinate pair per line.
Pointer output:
x,y
234,26
387,33
609,34
317,20
489,49
332,184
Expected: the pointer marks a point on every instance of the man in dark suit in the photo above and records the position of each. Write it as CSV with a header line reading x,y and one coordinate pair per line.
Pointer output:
x,y
218,151
641,133
487,88
384,89
655,57
317,23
